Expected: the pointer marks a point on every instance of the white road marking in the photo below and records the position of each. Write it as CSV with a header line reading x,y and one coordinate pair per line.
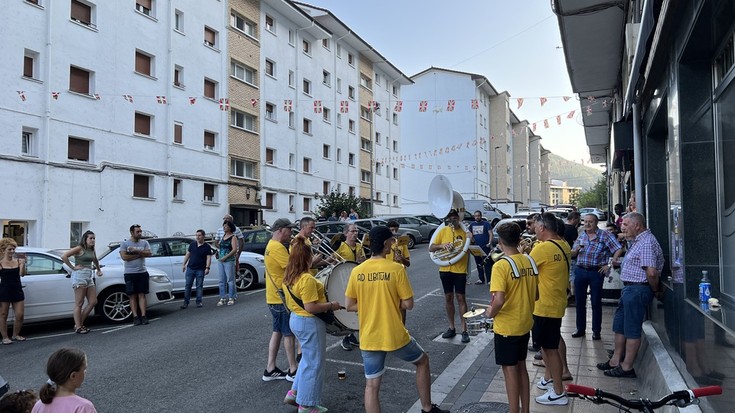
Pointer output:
x,y
353,363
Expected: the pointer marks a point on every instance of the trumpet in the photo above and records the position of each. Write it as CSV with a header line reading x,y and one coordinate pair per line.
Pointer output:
x,y
526,245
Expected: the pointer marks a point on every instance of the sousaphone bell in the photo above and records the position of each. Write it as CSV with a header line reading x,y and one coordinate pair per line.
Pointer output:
x,y
442,200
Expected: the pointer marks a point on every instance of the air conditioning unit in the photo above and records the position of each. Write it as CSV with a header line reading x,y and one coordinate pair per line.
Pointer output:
x,y
632,30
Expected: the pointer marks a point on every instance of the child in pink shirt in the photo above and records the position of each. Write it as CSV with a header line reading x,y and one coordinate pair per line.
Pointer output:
x,y
66,369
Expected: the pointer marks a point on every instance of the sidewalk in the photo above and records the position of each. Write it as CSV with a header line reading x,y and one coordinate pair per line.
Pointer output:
x,y
482,388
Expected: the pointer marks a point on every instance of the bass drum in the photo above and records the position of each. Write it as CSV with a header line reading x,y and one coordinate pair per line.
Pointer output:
x,y
335,284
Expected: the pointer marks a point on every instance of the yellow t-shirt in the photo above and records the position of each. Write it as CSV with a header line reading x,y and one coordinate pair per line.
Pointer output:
x,y
309,290
346,252
276,258
516,316
379,286
402,248
449,234
553,278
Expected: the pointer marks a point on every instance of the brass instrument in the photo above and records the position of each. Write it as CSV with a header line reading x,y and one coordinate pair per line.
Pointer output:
x,y
443,199
526,245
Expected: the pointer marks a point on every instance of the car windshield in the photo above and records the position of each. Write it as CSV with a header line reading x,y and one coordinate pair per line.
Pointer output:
x,y
109,250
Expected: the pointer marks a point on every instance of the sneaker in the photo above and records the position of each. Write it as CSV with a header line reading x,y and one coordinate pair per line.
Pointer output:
x,y
144,319
290,377
449,333
290,398
184,306
345,344
353,340
231,301
221,302
465,337
538,356
199,305
313,409
276,374
551,398
435,409
137,321
544,384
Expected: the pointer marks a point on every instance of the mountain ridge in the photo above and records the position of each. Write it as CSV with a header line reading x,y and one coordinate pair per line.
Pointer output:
x,y
573,173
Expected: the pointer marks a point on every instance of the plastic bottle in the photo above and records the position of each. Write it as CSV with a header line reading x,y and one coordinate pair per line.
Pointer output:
x,y
704,288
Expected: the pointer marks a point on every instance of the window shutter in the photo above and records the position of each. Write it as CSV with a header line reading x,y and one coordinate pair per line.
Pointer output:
x,y
140,186
142,63
209,36
78,80
178,132
145,3
209,139
81,12
78,149
209,192
28,66
209,89
142,124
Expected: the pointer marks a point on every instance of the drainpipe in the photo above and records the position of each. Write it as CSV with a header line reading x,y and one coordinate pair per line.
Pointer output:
x,y
638,158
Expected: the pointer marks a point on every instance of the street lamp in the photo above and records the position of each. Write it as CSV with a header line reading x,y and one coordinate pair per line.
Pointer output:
x,y
522,184
496,175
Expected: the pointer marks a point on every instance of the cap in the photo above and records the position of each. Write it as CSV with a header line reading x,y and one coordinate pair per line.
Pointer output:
x,y
452,212
378,236
282,223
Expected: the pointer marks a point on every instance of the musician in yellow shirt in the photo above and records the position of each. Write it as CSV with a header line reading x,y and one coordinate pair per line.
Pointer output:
x,y
350,250
399,253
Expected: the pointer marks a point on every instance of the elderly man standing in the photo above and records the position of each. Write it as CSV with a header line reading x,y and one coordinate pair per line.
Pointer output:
x,y
640,276
592,250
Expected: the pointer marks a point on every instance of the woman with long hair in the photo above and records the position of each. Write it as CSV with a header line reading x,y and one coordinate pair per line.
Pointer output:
x,y
82,278
66,370
11,290
227,253
310,331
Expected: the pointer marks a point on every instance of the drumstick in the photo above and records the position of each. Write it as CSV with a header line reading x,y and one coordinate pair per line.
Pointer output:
x,y
480,305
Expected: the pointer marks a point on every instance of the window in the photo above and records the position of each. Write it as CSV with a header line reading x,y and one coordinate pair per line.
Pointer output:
x,y
325,187
144,6
210,37
366,145
80,80
210,140
351,92
243,120
78,149
395,91
378,167
210,192
178,189
244,25
270,24
365,176
325,43
387,141
242,169
179,21
307,204
291,120
339,50
351,125
269,200
350,59
307,87
27,145
326,78
351,191
395,200
291,79
178,132
142,186
244,73
339,120
366,113
307,165
307,126
143,124
379,196
81,13
179,76
143,63
395,119
377,79
377,138
327,151
327,115
395,146
30,64
366,82
339,85
270,155
270,111
351,159
291,37
291,161
339,155
210,88
395,173
307,47
270,68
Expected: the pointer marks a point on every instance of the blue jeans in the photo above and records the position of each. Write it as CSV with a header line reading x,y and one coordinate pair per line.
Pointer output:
x,y
312,335
227,279
190,276
486,269
584,278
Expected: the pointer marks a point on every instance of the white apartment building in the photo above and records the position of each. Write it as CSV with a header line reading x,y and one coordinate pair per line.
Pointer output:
x,y
113,127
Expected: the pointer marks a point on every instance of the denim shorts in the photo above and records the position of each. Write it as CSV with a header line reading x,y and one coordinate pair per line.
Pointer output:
x,y
82,278
631,311
281,318
374,361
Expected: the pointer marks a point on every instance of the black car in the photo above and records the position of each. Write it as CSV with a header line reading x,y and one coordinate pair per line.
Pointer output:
x,y
256,240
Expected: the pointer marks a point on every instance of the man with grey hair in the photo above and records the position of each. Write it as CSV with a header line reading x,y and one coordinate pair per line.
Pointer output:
x,y
640,274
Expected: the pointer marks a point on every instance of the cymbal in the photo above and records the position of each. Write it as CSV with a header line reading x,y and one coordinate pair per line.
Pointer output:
x,y
474,313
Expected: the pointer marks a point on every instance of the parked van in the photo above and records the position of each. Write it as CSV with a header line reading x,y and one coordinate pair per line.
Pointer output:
x,y
492,214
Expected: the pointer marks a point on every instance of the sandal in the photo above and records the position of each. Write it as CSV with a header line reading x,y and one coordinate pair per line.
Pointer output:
x,y
7,341
19,338
619,372
567,378
80,330
605,366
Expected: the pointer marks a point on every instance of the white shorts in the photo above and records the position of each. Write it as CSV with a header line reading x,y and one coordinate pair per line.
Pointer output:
x,y
82,278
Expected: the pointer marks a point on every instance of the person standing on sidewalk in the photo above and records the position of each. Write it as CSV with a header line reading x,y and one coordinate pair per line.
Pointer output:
x,y
228,251
640,276
85,267
240,239
134,251
377,290
513,288
482,236
552,256
196,266
592,249
350,250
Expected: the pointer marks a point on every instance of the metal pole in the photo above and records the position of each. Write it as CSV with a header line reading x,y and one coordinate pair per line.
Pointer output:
x,y
638,159
522,183
496,176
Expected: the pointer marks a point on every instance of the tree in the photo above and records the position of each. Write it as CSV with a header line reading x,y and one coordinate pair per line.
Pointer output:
x,y
338,202
595,197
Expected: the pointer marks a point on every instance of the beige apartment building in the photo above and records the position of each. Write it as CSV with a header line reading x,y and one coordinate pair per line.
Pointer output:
x,y
561,193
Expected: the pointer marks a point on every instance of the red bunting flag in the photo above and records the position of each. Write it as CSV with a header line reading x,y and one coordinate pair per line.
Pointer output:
x,y
558,119
317,106
224,104
422,106
128,98
97,96
254,102
374,105
399,106
450,105
475,104
287,105
161,99
566,98
21,95
55,95
520,103
589,110
513,131
543,100
344,106
192,100
591,98
570,114
546,123
604,103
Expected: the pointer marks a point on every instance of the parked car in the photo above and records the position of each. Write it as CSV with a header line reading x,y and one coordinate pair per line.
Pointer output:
x,y
49,296
256,240
489,212
601,215
168,256
560,213
523,214
328,229
430,219
409,222
414,236
520,221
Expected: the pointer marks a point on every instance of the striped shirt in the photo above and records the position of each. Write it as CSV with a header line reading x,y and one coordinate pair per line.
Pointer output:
x,y
596,252
643,251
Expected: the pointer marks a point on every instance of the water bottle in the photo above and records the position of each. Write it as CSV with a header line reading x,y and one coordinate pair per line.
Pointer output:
x,y
704,288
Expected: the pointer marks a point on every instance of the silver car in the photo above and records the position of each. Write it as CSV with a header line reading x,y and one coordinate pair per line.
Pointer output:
x,y
413,235
409,222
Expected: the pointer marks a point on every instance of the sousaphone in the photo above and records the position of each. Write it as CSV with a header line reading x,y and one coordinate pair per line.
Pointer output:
x,y
442,200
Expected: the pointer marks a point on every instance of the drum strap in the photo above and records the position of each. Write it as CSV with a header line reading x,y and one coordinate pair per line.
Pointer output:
x,y
327,317
514,267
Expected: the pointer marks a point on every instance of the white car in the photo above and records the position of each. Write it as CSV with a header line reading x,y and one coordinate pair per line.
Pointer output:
x,y
168,256
49,296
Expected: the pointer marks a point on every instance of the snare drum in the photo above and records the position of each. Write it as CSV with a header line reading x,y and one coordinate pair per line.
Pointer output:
x,y
335,280
478,325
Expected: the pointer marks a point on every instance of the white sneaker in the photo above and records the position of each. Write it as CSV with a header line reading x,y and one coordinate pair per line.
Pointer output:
x,y
231,302
551,398
221,302
543,384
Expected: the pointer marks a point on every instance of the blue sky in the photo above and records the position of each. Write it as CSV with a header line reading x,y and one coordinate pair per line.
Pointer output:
x,y
515,44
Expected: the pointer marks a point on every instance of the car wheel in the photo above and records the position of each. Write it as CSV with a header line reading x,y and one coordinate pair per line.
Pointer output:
x,y
246,278
411,242
114,305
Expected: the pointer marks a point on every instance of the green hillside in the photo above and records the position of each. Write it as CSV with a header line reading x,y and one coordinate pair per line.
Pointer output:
x,y
573,173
